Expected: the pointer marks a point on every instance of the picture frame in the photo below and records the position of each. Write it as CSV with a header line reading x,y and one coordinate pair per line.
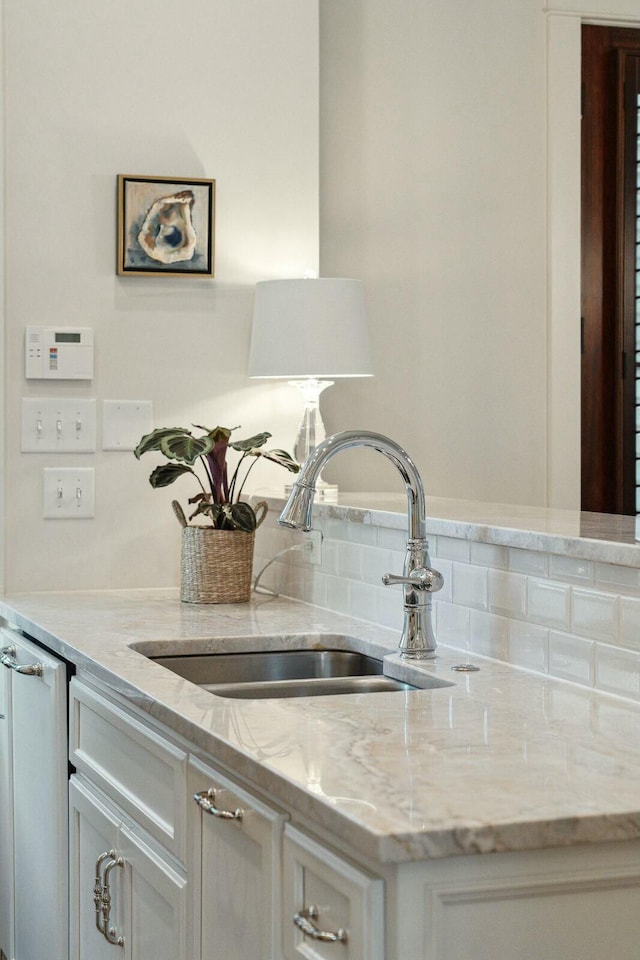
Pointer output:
x,y
166,226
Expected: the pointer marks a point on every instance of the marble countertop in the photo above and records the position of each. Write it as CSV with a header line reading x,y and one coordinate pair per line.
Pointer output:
x,y
607,538
502,760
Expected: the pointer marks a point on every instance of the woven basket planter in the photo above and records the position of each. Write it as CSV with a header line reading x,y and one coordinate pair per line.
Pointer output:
x,y
216,566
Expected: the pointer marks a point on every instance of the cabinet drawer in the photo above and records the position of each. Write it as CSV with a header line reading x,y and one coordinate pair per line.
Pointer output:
x,y
136,767
325,894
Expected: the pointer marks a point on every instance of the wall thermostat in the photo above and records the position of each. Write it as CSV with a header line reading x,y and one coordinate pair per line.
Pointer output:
x,y
59,353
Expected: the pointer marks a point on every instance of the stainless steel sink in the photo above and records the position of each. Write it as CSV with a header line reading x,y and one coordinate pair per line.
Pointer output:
x,y
286,673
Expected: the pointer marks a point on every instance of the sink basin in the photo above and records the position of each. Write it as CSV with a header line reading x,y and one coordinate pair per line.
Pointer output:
x,y
286,673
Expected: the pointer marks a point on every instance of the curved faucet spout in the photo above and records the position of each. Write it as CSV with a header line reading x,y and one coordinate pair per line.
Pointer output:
x,y
418,579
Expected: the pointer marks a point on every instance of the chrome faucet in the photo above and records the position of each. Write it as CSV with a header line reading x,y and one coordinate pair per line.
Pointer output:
x,y
418,579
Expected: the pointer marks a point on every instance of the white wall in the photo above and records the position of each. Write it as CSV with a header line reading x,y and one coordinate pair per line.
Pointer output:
x,y
450,185
226,89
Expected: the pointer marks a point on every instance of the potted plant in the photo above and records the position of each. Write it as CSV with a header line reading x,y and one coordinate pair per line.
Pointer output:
x,y
217,557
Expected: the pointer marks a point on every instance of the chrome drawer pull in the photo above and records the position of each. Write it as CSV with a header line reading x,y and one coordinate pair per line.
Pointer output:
x,y
303,921
97,887
29,669
102,896
206,801
110,933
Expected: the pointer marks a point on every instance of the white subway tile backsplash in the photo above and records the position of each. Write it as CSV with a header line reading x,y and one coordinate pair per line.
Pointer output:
x,y
470,585
594,614
489,555
364,601
315,588
445,567
451,549
339,594
390,612
529,646
568,568
507,593
329,557
392,539
572,658
335,529
573,619
629,635
614,577
488,635
452,624
548,603
529,562
375,563
362,533
350,560
618,671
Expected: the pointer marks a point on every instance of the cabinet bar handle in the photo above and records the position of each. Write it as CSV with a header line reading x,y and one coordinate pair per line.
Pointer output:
x,y
29,669
304,921
110,933
206,801
97,887
102,896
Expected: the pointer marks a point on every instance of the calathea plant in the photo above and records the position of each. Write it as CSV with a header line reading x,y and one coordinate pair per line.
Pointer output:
x,y
219,496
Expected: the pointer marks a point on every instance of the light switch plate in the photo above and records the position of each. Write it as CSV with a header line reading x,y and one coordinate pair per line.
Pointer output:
x,y
124,422
69,493
58,425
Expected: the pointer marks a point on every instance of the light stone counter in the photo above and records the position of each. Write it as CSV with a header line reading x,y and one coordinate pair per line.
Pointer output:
x,y
502,760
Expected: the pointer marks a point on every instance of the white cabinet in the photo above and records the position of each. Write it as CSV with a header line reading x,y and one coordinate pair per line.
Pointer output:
x,y
127,834
578,903
235,868
34,911
332,909
125,896
6,818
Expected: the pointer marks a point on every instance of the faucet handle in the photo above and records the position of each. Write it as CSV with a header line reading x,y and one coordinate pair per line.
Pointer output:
x,y
422,578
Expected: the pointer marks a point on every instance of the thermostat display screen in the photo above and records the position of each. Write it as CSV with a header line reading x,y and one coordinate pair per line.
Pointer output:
x,y
67,337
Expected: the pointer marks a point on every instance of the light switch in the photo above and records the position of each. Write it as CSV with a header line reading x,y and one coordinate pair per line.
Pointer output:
x,y
69,492
124,422
58,426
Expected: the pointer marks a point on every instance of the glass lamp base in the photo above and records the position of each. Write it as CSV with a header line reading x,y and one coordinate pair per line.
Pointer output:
x,y
311,433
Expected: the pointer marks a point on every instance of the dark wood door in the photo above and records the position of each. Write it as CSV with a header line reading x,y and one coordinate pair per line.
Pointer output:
x,y
610,78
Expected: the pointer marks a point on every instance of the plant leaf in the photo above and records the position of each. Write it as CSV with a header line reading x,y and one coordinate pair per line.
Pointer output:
x,y
211,510
247,445
243,517
220,433
185,447
283,458
152,441
166,473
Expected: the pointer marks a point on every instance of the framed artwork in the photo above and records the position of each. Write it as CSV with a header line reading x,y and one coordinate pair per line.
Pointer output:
x,y
166,226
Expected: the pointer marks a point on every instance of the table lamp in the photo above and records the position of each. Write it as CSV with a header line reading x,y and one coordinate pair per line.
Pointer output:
x,y
310,332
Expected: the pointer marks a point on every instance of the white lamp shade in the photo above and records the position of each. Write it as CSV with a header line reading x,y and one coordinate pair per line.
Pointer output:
x,y
310,328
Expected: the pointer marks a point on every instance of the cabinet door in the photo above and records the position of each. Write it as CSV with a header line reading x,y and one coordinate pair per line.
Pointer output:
x,y
237,841
93,833
147,895
39,734
332,909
